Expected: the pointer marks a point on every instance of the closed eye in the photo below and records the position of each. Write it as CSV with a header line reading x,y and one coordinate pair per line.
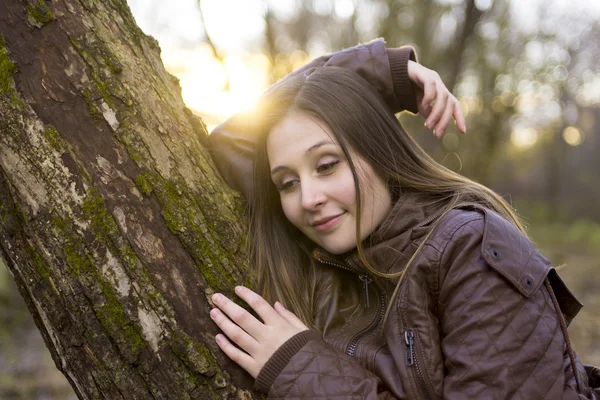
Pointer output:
x,y
286,186
327,167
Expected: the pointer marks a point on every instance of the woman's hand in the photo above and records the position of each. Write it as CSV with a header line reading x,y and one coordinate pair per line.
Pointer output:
x,y
435,102
259,340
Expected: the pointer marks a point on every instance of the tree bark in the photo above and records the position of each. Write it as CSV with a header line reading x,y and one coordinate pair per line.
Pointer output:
x,y
113,220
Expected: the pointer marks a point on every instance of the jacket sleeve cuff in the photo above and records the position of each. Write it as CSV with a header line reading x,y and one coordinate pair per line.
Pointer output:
x,y
405,94
282,356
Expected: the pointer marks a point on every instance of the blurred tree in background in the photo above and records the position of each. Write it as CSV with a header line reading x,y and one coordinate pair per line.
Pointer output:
x,y
527,75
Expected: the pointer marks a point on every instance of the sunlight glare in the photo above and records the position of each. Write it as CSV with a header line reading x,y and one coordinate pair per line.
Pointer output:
x,y
344,8
203,80
524,138
572,136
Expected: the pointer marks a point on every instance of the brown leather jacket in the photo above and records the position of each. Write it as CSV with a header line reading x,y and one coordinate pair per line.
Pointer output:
x,y
471,318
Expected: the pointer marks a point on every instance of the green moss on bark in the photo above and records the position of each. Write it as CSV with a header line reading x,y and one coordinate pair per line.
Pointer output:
x,y
102,88
7,70
102,222
53,138
134,146
132,28
77,262
96,56
143,184
194,354
111,314
103,55
184,218
39,13
87,96
107,233
37,259
114,319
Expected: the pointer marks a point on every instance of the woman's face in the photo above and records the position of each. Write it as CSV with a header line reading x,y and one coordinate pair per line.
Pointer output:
x,y
316,185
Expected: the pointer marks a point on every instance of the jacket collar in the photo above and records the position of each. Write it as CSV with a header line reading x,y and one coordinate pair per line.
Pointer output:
x,y
394,241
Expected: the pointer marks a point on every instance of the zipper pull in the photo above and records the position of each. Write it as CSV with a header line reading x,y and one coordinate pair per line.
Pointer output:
x,y
366,280
410,342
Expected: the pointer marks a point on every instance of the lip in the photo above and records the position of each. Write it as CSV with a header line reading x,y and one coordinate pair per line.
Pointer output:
x,y
327,223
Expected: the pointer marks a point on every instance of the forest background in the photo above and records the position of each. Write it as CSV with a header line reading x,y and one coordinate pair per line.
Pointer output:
x,y
527,74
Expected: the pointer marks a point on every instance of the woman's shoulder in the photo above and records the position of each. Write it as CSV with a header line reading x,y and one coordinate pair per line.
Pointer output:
x,y
479,222
496,240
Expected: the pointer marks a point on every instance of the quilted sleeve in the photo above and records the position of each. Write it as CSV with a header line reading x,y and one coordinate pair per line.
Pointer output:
x,y
500,335
385,69
232,143
317,371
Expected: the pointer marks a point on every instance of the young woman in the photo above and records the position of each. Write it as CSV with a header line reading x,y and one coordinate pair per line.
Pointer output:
x,y
400,278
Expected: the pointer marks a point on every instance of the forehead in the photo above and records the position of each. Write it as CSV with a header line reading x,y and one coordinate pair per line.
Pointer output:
x,y
296,133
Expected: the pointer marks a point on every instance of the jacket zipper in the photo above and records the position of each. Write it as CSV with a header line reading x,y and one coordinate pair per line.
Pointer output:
x,y
411,361
431,219
351,348
364,278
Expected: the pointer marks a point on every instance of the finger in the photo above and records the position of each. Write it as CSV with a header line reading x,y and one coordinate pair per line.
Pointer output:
x,y
289,316
438,109
459,117
429,93
238,315
233,331
424,111
236,355
444,121
258,304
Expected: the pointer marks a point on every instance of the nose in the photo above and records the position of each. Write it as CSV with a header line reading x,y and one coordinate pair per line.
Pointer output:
x,y
313,194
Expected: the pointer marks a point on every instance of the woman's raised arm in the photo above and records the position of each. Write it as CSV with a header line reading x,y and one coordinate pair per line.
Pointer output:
x,y
394,73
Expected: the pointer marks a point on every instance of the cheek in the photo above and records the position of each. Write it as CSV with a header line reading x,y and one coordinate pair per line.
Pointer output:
x,y
290,211
345,189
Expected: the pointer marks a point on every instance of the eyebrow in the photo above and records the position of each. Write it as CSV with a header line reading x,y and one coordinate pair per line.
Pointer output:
x,y
307,152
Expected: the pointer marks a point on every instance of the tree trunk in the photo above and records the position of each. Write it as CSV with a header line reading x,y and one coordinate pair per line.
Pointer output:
x,y
457,54
113,220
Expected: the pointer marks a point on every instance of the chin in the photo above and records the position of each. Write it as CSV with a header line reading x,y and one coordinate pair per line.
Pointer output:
x,y
338,248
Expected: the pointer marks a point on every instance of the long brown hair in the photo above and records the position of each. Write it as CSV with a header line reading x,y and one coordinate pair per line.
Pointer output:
x,y
360,120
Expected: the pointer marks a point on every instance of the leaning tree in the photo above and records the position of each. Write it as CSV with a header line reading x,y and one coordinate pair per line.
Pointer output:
x,y
113,219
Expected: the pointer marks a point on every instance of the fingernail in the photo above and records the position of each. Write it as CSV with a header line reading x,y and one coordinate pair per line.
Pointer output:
x,y
217,297
213,313
218,339
239,289
440,133
426,125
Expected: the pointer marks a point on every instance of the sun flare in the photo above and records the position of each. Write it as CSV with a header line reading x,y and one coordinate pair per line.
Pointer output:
x,y
217,90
